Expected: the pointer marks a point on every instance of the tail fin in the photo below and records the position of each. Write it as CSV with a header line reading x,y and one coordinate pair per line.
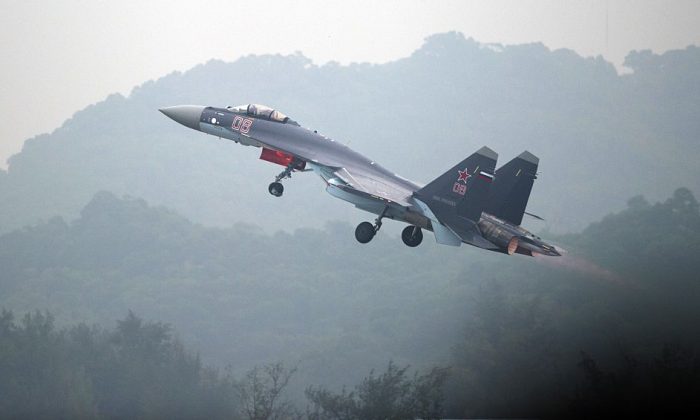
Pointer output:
x,y
463,190
511,188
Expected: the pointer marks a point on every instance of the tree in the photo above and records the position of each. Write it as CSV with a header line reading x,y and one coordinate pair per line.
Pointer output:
x,y
260,392
391,395
666,384
135,371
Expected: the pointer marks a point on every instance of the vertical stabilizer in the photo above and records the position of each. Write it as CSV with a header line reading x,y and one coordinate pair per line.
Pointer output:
x,y
511,188
461,192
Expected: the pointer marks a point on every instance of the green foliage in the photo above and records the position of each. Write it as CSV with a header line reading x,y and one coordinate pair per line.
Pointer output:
x,y
390,395
136,370
628,292
35,380
312,298
506,363
665,385
260,393
511,328
662,235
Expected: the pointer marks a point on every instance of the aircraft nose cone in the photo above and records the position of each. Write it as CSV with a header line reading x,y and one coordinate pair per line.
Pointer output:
x,y
187,115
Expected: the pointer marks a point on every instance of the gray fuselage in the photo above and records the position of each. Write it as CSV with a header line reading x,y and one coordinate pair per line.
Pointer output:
x,y
348,175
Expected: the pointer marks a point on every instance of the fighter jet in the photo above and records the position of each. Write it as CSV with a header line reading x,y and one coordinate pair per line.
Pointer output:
x,y
471,203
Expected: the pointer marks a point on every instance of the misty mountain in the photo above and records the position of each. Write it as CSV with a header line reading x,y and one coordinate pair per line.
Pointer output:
x,y
601,136
336,309
240,294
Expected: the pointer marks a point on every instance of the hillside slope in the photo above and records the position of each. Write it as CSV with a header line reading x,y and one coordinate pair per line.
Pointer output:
x,y
601,136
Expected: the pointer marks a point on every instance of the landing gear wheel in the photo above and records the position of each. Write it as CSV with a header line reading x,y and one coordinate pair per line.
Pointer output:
x,y
276,189
412,236
364,232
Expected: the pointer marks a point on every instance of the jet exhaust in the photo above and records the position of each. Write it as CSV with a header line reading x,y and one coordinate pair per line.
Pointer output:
x,y
501,237
512,245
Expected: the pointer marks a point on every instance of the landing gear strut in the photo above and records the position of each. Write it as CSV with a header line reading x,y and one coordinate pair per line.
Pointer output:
x,y
365,231
412,236
276,188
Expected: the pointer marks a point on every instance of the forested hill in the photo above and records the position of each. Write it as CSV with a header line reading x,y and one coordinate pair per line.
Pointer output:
x,y
316,299
601,136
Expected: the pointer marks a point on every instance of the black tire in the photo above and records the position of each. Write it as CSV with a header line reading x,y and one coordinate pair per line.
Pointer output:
x,y
364,232
276,189
412,236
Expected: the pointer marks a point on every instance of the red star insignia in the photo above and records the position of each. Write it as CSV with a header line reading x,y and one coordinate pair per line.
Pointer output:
x,y
463,175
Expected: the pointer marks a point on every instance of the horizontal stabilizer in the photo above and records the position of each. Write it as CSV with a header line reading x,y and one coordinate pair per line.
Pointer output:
x,y
535,216
470,233
443,234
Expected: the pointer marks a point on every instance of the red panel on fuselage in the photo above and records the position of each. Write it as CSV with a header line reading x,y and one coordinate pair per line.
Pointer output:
x,y
281,158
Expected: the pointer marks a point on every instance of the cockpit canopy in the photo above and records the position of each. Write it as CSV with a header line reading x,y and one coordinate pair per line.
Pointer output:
x,y
260,111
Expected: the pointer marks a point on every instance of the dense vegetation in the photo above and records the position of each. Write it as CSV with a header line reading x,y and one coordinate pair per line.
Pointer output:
x,y
612,331
599,134
138,370
521,336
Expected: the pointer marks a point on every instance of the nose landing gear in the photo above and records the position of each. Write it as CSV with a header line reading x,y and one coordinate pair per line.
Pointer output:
x,y
276,188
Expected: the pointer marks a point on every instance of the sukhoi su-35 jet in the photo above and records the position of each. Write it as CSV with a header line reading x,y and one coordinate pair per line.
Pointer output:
x,y
471,203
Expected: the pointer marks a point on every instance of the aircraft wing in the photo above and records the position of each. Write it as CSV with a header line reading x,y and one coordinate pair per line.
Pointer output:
x,y
348,179
363,184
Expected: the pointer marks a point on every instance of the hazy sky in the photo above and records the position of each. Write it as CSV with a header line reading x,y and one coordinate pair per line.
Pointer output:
x,y
60,56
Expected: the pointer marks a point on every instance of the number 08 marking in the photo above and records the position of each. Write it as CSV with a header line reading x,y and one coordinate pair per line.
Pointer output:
x,y
245,127
242,124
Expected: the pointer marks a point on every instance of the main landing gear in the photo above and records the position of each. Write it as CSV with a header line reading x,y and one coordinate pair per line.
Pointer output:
x,y
365,231
412,236
276,188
